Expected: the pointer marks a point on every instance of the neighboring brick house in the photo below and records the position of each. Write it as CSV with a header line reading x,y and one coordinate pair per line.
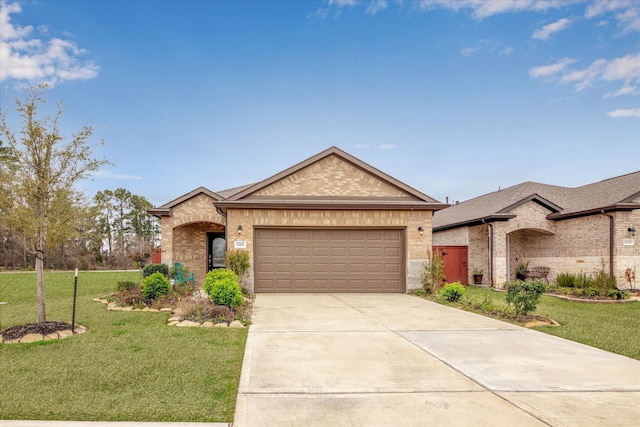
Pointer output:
x,y
331,223
567,229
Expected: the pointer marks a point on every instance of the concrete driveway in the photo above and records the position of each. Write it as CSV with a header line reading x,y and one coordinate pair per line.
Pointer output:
x,y
397,360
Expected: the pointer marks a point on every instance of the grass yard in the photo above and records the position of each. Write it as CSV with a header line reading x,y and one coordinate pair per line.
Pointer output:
x,y
611,327
127,366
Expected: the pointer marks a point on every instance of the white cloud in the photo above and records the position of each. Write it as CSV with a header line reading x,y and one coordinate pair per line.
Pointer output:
x,y
623,113
484,8
25,57
112,175
624,70
342,3
627,12
386,146
548,70
468,51
361,145
506,51
546,31
376,6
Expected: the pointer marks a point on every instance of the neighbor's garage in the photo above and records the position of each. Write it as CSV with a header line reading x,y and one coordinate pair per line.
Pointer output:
x,y
329,260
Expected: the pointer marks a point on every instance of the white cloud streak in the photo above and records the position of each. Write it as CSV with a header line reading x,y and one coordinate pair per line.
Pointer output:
x,y
112,175
625,69
626,12
549,70
624,113
25,57
545,32
376,6
484,8
386,146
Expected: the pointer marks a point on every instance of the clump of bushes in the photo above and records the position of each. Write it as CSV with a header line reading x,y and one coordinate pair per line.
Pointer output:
x,y
524,295
163,269
155,286
598,285
453,291
223,288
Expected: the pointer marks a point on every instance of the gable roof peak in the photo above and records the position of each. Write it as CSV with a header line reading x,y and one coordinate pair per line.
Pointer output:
x,y
333,150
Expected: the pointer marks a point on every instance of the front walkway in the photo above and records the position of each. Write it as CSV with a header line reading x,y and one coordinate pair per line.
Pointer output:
x,y
394,359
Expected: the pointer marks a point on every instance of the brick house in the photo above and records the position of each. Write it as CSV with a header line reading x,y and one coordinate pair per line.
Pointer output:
x,y
566,229
331,223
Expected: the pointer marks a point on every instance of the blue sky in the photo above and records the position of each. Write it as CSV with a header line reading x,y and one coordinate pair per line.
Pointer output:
x,y
456,98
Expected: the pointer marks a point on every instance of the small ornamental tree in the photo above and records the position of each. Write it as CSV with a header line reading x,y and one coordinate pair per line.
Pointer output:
x,y
237,260
43,167
223,288
433,273
525,295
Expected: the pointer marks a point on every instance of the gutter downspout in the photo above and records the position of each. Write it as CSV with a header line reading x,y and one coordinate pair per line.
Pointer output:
x,y
611,241
490,251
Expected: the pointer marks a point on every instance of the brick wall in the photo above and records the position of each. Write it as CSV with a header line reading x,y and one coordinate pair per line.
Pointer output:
x,y
331,177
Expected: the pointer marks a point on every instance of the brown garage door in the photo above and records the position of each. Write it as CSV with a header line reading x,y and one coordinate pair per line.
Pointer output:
x,y
329,260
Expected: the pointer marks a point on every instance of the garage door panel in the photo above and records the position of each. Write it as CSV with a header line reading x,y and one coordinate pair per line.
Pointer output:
x,y
329,260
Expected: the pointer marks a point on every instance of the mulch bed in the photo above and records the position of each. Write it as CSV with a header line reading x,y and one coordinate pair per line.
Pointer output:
x,y
46,328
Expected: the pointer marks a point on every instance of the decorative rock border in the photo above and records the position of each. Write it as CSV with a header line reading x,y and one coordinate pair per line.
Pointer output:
x,y
174,320
29,338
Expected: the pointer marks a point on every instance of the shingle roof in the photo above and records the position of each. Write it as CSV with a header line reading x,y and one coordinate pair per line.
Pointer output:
x,y
562,201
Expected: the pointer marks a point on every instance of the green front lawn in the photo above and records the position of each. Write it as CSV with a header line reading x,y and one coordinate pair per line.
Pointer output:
x,y
611,327
127,366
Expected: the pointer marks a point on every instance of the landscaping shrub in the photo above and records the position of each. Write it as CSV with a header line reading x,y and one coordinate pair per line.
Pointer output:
x,y
524,295
222,287
130,297
433,273
583,281
453,291
565,280
237,260
123,286
603,281
156,268
220,313
155,286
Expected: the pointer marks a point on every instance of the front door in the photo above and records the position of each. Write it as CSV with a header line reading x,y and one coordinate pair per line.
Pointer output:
x,y
456,267
216,247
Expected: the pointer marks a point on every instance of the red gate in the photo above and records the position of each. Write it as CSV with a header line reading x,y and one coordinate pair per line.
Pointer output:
x,y
456,267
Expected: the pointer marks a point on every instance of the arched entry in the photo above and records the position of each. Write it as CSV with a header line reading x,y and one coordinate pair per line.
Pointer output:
x,y
527,246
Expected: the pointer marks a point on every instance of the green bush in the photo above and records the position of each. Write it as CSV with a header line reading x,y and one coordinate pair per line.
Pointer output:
x,y
148,270
565,280
583,281
524,295
237,260
223,288
155,285
453,291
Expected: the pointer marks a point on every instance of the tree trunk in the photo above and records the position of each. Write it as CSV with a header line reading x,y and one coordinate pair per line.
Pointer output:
x,y
40,280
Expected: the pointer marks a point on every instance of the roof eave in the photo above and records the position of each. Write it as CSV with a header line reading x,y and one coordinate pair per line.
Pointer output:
x,y
159,212
476,221
616,207
315,205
